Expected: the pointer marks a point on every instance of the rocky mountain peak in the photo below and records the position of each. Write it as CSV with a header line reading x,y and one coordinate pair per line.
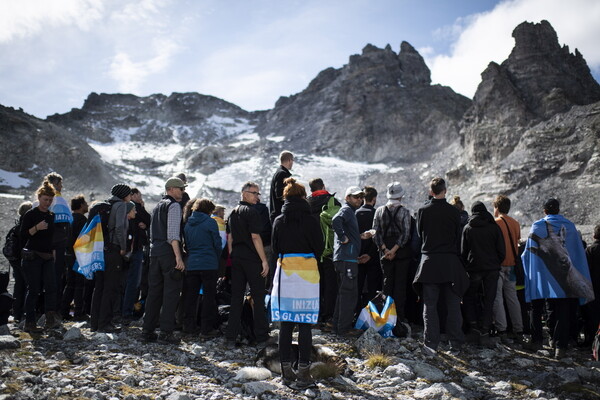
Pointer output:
x,y
538,80
413,67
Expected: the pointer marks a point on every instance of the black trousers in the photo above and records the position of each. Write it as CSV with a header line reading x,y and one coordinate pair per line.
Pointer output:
x,y
19,290
328,288
559,320
164,290
433,293
304,342
369,273
106,290
395,278
39,273
247,273
74,289
489,281
192,282
59,270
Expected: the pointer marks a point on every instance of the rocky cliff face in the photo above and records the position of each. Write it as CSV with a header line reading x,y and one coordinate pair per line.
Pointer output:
x,y
381,106
538,80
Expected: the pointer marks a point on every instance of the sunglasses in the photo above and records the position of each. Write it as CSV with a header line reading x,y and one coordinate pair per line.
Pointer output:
x,y
256,193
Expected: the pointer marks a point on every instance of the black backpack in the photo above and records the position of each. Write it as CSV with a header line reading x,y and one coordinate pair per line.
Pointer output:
x,y
102,208
12,244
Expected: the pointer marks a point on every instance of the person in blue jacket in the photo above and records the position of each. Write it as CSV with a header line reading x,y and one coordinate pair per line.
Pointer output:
x,y
203,244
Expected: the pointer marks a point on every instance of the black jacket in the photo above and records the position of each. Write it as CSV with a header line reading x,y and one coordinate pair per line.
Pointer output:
x,y
364,216
276,192
482,243
139,235
295,231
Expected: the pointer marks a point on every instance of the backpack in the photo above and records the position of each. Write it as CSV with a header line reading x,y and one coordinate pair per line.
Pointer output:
x,y
12,244
326,218
103,209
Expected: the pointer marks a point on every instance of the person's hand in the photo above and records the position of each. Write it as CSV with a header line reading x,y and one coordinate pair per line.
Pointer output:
x,y
363,259
265,269
42,225
180,265
142,225
122,252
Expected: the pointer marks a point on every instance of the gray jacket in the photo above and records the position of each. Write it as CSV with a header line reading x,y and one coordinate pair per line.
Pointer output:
x,y
118,224
345,226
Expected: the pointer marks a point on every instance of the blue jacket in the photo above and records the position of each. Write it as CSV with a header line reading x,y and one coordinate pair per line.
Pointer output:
x,y
203,242
345,225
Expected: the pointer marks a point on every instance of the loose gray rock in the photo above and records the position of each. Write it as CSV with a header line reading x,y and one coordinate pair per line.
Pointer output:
x,y
4,330
399,370
258,388
569,375
253,374
370,342
178,396
9,342
73,334
428,372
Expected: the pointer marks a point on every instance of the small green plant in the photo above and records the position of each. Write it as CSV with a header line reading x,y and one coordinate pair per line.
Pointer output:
x,y
320,370
379,360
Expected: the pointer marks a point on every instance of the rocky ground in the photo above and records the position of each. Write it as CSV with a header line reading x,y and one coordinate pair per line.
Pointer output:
x,y
75,363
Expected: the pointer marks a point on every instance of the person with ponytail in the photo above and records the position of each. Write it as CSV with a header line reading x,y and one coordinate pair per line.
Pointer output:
x,y
298,242
37,230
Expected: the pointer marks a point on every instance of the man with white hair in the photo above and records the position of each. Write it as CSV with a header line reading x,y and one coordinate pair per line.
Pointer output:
x,y
392,234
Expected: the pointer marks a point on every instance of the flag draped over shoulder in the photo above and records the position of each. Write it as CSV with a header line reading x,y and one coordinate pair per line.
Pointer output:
x,y
295,294
61,210
89,249
554,262
383,321
222,230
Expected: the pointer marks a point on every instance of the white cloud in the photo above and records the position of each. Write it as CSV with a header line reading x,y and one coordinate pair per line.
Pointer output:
x,y
487,37
130,75
19,19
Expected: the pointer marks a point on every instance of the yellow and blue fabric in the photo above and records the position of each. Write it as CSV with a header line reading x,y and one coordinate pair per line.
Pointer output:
x,y
222,229
61,210
295,294
89,249
383,322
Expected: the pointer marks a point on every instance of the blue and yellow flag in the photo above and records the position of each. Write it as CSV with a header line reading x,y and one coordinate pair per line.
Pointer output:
x,y
89,249
61,210
295,294
383,322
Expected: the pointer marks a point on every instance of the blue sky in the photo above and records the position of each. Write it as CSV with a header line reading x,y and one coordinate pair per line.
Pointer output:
x,y
54,53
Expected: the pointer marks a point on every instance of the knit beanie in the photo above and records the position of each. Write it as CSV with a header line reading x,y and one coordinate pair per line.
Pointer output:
x,y
130,206
120,190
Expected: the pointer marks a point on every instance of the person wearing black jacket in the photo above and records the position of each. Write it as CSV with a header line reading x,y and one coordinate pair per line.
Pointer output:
x,y
295,233
369,268
20,285
286,160
482,251
441,276
74,288
137,239
37,232
328,287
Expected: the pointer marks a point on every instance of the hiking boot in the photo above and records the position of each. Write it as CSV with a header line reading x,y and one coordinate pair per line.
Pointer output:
x,y
168,338
31,327
304,380
326,327
52,322
485,340
352,333
148,337
210,334
110,328
230,344
287,373
534,346
559,354
428,351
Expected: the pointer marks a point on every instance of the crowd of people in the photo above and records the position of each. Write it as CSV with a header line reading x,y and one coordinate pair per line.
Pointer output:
x,y
306,260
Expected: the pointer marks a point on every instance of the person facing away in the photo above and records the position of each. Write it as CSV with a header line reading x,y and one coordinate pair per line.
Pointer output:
x,y
345,259
166,265
249,265
441,275
392,234
482,251
286,160
369,268
507,281
20,285
591,310
556,269
328,289
108,282
298,243
203,245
